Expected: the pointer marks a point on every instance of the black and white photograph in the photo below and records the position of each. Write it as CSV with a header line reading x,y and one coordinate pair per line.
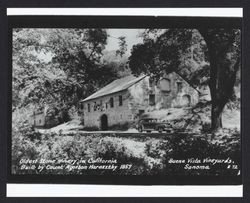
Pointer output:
x,y
126,101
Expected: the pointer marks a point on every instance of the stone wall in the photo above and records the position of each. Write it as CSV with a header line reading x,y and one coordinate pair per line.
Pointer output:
x,y
179,98
170,91
38,120
166,93
100,106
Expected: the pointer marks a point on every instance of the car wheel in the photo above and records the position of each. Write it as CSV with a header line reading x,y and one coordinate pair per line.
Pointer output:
x,y
160,129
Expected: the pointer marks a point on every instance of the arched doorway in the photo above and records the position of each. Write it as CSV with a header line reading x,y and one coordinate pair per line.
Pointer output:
x,y
186,100
104,122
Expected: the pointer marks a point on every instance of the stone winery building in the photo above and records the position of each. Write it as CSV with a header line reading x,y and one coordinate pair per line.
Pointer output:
x,y
41,118
125,99
38,119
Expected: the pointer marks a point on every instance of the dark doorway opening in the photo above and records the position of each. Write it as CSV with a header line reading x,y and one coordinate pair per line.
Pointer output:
x,y
186,100
104,122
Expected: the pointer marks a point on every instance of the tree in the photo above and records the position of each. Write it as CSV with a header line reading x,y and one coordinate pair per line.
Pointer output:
x,y
224,57
117,63
182,51
189,52
57,66
122,46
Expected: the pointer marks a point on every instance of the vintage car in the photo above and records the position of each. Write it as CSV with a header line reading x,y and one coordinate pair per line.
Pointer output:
x,y
153,124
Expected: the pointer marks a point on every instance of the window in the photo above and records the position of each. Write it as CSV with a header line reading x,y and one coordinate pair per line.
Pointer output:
x,y
40,121
152,99
179,87
95,106
106,105
151,82
120,100
165,85
111,102
88,107
81,106
186,100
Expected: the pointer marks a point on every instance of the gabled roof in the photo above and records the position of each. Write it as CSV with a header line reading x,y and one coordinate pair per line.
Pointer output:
x,y
116,86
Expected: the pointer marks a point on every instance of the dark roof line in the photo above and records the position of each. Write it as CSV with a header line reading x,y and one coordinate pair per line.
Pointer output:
x,y
125,86
187,82
112,87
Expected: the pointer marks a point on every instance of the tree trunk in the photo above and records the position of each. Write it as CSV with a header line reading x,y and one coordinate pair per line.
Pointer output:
x,y
216,117
216,96
224,64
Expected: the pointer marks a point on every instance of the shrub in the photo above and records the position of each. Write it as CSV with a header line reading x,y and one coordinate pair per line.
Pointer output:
x,y
190,146
26,143
185,146
124,126
205,127
155,148
108,150
24,147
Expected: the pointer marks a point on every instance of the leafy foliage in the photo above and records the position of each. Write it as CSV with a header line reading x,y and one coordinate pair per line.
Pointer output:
x,y
153,160
117,63
58,67
122,45
77,147
183,147
224,53
179,50
201,56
